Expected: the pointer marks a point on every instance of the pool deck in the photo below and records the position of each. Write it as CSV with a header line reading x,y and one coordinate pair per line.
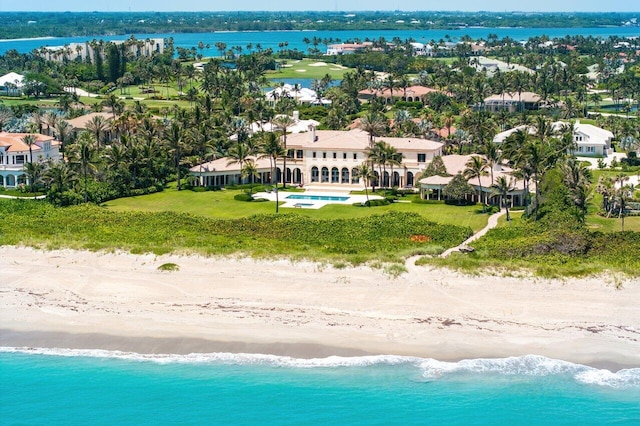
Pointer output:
x,y
313,204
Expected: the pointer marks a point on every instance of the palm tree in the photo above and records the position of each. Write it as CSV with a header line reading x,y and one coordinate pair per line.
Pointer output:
x,y
577,178
492,154
5,116
82,155
283,122
97,125
174,139
502,188
272,148
250,171
30,140
63,128
476,168
34,173
59,177
238,154
374,124
366,174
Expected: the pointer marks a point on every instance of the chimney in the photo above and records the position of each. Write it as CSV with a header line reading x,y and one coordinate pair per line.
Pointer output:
x,y
296,115
312,133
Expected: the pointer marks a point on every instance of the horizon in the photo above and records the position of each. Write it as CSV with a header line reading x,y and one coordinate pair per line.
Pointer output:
x,y
464,6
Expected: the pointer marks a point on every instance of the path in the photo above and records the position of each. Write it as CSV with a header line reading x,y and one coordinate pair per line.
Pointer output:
x,y
11,197
492,223
410,263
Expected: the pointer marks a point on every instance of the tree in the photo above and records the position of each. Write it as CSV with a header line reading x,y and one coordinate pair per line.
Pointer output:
x,y
272,148
476,168
435,168
502,188
30,140
5,116
374,124
458,189
577,179
366,174
82,155
97,125
283,122
175,143
34,173
250,171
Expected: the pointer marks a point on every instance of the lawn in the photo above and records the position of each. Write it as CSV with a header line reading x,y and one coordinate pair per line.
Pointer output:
x,y
304,69
220,204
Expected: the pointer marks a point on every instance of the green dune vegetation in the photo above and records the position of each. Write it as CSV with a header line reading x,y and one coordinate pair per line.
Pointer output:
x,y
379,238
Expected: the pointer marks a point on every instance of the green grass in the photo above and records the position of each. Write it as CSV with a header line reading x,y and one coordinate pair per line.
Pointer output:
x,y
302,69
220,204
381,239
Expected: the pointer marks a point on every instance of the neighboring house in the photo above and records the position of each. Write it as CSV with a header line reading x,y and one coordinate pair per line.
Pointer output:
x,y
14,154
11,84
301,95
347,48
513,102
299,126
327,158
79,124
590,140
411,94
492,66
431,187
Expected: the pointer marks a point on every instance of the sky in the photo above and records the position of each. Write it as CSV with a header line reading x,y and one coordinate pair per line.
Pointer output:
x,y
352,5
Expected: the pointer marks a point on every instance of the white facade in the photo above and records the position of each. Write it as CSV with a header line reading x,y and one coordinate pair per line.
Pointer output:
x,y
14,154
328,158
590,140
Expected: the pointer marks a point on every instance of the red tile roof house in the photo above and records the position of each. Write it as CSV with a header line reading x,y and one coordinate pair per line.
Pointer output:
x,y
326,158
14,154
412,94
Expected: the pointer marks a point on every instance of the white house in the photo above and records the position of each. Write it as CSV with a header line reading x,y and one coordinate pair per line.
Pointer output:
x,y
590,140
327,158
301,95
11,83
14,154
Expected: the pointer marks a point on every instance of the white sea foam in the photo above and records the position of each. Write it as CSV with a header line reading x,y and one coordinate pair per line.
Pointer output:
x,y
533,365
528,365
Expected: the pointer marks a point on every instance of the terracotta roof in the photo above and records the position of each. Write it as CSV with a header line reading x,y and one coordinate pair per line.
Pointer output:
x,y
222,165
412,91
356,140
81,122
13,141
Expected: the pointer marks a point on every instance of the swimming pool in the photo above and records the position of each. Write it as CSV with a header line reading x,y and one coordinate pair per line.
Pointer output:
x,y
316,197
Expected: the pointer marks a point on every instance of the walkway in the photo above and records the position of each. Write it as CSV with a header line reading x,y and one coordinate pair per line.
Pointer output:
x,y
11,197
492,223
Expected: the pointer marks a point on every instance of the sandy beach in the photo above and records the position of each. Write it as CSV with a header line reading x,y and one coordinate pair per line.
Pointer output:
x,y
121,301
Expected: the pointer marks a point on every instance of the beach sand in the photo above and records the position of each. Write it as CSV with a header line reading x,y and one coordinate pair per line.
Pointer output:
x,y
121,301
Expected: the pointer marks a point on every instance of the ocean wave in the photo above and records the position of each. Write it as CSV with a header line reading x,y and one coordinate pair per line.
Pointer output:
x,y
532,365
528,365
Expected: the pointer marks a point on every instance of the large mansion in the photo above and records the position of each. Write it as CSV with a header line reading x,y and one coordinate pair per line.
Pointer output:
x,y
327,158
14,154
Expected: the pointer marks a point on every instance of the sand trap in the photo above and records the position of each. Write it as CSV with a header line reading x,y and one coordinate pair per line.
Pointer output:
x,y
286,66
301,70
318,64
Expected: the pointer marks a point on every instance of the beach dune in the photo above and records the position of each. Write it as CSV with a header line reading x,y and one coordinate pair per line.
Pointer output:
x,y
121,301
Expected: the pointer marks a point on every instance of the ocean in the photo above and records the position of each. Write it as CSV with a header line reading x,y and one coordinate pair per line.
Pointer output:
x,y
39,386
272,39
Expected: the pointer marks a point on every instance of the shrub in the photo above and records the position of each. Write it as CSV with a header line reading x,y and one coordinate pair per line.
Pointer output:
x,y
243,197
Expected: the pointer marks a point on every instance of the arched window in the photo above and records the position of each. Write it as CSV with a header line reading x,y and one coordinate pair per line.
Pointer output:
x,y
376,179
395,181
409,179
355,179
325,175
11,180
385,181
345,175
335,175
297,175
315,176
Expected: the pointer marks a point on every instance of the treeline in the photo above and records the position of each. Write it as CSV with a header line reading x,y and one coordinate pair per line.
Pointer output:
x,y
66,24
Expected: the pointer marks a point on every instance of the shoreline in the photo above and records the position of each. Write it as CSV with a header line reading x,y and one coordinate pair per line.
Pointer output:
x,y
120,301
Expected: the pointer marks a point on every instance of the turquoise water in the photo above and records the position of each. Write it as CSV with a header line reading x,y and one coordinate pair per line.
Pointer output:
x,y
96,387
317,197
271,39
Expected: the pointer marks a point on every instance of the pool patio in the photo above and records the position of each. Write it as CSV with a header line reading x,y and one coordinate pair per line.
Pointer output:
x,y
314,199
